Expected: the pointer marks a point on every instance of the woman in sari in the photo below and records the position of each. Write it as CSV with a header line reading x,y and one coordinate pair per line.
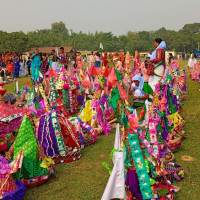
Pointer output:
x,y
16,65
35,65
157,61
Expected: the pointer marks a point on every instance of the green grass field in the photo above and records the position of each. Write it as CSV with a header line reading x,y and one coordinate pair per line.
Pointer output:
x,y
86,179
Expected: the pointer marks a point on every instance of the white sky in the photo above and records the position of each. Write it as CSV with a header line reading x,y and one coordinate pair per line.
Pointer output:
x,y
117,16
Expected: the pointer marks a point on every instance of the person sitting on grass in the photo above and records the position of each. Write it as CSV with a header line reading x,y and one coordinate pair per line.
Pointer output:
x,y
141,91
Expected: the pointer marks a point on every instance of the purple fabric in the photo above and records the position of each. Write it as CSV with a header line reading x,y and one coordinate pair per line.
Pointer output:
x,y
165,132
133,183
163,152
105,125
78,87
4,165
16,194
133,70
174,98
49,141
102,100
80,98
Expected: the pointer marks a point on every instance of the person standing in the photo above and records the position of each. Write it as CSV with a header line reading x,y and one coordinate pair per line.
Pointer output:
x,y
35,65
10,67
183,56
44,63
16,65
97,60
170,58
3,63
73,60
92,59
63,57
55,64
79,61
156,64
29,65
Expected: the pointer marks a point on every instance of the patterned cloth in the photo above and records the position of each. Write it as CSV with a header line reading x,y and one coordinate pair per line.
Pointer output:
x,y
26,140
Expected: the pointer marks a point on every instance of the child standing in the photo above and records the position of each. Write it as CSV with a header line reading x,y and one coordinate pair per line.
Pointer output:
x,y
10,68
29,65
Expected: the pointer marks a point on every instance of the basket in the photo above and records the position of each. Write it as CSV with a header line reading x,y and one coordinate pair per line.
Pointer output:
x,y
170,196
32,182
70,157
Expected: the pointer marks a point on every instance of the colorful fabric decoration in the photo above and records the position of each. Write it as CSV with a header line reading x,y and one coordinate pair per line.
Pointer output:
x,y
143,177
26,140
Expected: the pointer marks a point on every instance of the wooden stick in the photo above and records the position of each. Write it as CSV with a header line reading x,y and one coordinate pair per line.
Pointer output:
x,y
112,121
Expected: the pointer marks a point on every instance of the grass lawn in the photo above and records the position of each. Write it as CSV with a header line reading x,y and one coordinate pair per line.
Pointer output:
x,y
86,179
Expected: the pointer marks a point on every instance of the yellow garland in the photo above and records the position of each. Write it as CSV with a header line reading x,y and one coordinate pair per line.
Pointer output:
x,y
47,163
176,120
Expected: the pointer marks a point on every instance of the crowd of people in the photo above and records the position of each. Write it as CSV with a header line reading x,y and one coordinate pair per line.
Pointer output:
x,y
10,65
13,65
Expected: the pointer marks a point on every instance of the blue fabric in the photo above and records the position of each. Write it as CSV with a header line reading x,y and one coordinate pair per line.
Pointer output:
x,y
16,69
50,62
97,64
35,67
35,73
36,62
3,64
162,45
29,63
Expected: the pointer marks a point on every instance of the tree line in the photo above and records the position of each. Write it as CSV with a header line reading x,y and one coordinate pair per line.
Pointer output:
x,y
186,39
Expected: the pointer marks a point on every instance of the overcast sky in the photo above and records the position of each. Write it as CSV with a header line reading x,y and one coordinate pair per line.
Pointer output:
x,y
117,16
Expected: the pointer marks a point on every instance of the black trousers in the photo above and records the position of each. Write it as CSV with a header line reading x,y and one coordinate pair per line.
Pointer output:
x,y
29,70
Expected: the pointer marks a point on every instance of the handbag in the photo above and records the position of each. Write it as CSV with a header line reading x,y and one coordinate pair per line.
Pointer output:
x,y
150,69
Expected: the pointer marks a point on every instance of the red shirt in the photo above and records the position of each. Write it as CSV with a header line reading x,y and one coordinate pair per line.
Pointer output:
x,y
10,67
